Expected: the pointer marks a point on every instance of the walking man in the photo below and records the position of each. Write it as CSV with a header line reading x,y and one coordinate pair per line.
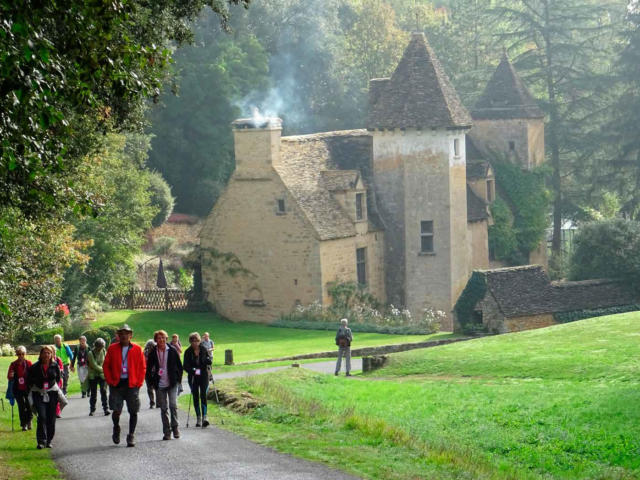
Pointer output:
x,y
96,377
164,373
344,337
81,355
64,353
124,370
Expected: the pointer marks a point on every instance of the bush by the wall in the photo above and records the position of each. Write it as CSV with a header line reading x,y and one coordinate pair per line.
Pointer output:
x,y
95,333
110,330
7,350
465,306
45,337
355,327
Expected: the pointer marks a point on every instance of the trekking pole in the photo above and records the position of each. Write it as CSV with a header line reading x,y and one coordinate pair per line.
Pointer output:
x,y
189,409
11,418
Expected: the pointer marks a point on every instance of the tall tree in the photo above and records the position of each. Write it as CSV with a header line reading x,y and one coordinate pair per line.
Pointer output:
x,y
561,47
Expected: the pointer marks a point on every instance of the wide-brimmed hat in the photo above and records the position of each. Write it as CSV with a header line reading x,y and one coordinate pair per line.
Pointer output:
x,y
125,328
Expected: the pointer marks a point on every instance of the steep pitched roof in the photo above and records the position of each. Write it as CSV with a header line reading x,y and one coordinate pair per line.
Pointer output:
x,y
418,94
339,180
307,169
506,96
476,207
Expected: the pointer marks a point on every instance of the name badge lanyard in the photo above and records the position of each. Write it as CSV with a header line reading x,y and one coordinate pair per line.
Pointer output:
x,y
124,360
161,361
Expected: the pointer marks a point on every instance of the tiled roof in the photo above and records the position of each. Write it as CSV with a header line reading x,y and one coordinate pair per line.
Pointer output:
x,y
308,169
418,94
505,96
477,170
339,180
476,207
526,290
473,153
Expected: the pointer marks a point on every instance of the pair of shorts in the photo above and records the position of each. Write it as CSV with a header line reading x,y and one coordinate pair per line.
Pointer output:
x,y
123,393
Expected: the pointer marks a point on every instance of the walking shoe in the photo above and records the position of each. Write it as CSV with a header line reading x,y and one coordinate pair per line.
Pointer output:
x,y
29,425
205,423
198,422
40,446
348,374
49,445
107,412
116,434
84,395
176,433
131,440
91,413
24,428
336,374
151,405
167,436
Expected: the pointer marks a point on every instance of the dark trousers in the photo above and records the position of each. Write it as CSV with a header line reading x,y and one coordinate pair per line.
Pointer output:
x,y
93,389
46,417
199,389
65,378
24,411
151,393
120,395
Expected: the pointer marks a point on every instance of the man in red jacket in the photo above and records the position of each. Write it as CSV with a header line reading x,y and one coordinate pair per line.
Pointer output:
x,y
124,369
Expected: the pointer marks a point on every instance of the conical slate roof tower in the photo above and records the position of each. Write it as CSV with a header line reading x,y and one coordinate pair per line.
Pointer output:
x,y
506,96
418,94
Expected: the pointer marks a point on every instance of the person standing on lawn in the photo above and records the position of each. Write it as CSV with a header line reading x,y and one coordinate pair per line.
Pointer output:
x,y
164,373
209,345
344,337
124,370
18,372
80,354
95,360
64,353
42,380
148,348
196,363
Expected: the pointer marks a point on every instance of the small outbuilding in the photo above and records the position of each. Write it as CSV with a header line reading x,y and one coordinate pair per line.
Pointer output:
x,y
522,298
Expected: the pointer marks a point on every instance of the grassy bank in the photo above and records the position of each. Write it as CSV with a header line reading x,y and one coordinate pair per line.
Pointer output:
x,y
561,402
249,341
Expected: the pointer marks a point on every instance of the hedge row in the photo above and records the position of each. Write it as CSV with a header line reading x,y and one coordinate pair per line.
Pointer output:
x,y
566,317
355,327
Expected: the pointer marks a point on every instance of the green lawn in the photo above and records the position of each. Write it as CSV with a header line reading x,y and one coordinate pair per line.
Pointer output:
x,y
561,402
249,341
19,457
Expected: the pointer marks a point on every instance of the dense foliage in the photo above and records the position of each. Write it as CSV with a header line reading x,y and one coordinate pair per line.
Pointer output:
x,y
607,249
521,218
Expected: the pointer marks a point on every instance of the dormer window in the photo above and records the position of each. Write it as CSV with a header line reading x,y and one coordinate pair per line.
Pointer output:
x,y
280,207
359,206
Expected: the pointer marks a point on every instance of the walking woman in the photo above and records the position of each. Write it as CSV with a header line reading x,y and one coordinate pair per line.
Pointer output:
x,y
148,348
196,363
42,379
96,377
18,372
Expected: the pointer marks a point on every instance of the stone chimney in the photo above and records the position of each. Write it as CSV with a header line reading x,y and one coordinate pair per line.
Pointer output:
x,y
257,146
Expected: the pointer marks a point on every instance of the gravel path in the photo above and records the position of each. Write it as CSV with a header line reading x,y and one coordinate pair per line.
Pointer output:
x,y
83,447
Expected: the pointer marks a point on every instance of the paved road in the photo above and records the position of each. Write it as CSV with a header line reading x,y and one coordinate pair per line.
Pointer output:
x,y
83,448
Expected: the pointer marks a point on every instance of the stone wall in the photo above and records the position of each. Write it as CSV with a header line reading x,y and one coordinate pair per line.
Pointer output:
x,y
338,263
530,322
479,244
282,255
417,178
496,135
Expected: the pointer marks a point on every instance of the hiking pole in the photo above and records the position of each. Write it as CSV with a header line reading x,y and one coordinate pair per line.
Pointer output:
x,y
11,418
189,409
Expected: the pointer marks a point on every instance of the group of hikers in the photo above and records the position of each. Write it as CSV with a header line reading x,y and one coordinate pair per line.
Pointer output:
x,y
124,367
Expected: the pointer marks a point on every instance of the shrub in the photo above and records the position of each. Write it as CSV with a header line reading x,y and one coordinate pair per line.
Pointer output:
x,y
110,330
607,249
7,350
95,333
45,337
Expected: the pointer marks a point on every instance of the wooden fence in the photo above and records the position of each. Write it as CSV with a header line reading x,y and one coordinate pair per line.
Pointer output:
x,y
161,299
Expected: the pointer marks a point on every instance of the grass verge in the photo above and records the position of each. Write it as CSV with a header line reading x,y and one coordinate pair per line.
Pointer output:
x,y
560,402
